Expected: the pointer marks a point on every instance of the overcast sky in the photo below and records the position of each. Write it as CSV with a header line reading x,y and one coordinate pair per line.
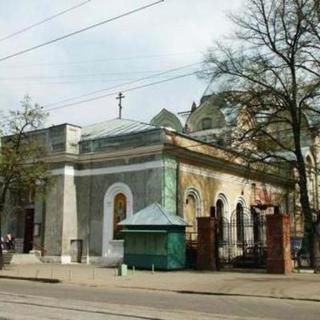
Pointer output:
x,y
171,35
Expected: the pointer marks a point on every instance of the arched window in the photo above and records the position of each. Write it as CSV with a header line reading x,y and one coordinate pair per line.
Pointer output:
x,y
117,204
190,215
220,217
240,222
119,213
310,181
192,210
255,218
206,123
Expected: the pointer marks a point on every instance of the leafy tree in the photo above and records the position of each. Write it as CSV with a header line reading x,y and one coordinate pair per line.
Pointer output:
x,y
21,168
272,71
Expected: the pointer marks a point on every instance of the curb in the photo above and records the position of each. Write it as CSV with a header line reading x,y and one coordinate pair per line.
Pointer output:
x,y
43,280
227,294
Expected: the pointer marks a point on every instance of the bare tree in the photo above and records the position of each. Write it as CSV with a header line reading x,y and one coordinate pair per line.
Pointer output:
x,y
21,168
272,71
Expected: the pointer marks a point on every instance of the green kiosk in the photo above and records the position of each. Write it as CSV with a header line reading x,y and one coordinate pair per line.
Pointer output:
x,y
154,238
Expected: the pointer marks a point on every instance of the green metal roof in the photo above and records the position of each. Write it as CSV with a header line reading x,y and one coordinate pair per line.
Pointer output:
x,y
114,127
153,215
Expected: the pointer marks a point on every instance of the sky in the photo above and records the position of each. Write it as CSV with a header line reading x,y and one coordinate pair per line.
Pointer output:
x,y
165,41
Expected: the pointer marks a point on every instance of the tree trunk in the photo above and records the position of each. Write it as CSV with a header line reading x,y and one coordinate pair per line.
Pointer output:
x,y
305,207
1,253
301,167
2,201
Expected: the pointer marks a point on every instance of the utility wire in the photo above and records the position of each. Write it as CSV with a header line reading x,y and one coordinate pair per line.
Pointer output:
x,y
122,84
68,82
81,75
123,91
43,21
106,60
80,31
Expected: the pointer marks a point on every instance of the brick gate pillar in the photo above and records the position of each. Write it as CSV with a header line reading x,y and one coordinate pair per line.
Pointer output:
x,y
278,243
206,250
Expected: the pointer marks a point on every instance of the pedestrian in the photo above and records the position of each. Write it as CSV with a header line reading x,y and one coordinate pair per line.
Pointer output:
x,y
9,241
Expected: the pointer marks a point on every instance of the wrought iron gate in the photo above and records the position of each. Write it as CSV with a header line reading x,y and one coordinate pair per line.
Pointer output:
x,y
242,240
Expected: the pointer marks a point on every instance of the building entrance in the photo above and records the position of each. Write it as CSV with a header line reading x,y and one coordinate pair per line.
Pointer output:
x,y
28,230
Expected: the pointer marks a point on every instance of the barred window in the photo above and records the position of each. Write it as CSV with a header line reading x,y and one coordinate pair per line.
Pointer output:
x,y
239,222
206,123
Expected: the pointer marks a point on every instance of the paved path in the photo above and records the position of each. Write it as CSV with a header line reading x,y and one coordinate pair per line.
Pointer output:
x,y
298,286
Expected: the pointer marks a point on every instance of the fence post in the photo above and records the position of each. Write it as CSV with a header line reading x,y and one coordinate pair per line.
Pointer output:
x,y
278,243
207,249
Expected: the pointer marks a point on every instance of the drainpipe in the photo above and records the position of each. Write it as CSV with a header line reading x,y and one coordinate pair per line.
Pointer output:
x,y
177,187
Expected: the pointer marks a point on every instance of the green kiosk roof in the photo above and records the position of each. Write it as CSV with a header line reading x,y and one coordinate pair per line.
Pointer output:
x,y
153,215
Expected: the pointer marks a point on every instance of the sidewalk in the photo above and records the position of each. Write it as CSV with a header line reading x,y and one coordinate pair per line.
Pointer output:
x,y
298,286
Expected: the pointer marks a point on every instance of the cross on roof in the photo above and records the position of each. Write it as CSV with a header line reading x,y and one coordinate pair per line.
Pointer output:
x,y
120,97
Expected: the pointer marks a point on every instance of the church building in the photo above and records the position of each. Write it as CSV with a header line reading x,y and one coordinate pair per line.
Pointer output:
x,y
105,172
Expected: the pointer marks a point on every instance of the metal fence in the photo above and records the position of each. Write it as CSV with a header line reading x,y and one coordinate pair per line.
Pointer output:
x,y
242,243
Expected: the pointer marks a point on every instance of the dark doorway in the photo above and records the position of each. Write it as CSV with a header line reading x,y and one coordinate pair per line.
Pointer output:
x,y
76,250
28,230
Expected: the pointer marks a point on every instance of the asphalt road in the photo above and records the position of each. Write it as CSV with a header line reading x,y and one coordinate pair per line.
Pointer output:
x,y
32,300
